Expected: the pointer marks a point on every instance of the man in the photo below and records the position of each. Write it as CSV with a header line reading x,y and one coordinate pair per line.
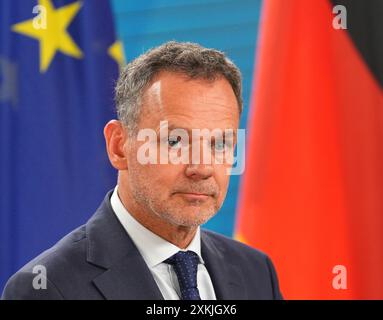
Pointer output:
x,y
145,241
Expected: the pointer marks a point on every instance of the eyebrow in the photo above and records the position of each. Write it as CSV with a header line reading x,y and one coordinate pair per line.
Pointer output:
x,y
172,126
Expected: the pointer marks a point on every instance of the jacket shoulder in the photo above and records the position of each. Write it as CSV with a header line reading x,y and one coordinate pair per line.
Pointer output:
x,y
257,268
232,245
55,268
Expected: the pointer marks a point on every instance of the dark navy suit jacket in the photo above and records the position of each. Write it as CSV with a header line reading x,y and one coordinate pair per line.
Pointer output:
x,y
100,261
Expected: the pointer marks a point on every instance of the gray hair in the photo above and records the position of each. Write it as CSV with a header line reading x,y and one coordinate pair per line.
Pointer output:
x,y
190,59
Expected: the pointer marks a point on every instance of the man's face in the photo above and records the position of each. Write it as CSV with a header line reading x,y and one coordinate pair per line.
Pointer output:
x,y
184,194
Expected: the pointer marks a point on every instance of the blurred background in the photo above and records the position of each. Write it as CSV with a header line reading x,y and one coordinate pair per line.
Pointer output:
x,y
311,195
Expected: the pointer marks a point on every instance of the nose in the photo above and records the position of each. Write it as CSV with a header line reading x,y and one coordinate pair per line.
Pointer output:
x,y
199,171
200,166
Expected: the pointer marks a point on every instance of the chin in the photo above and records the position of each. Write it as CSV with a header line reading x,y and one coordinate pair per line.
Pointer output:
x,y
191,217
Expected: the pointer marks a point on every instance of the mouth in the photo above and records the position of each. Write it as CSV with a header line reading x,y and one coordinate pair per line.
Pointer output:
x,y
194,195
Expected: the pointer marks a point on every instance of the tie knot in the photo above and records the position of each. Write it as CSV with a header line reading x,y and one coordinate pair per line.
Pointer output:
x,y
188,258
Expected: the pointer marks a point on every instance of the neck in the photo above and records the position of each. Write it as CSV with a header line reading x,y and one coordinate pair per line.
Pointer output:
x,y
180,236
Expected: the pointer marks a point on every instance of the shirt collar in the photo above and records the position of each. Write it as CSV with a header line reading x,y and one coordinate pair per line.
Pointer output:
x,y
152,247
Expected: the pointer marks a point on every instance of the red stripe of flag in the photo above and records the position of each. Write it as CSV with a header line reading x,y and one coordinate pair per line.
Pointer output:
x,y
312,191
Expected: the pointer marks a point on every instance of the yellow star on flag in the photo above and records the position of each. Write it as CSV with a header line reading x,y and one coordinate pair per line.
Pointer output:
x,y
54,36
116,51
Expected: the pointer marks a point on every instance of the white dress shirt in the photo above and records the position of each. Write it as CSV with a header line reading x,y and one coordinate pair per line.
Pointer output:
x,y
155,250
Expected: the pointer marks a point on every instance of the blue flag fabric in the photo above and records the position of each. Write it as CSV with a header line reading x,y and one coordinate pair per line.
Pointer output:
x,y
58,66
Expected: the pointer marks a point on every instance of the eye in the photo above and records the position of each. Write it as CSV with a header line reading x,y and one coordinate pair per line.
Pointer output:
x,y
174,141
219,145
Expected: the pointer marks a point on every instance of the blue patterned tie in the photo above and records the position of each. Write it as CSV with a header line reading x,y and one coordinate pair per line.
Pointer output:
x,y
185,264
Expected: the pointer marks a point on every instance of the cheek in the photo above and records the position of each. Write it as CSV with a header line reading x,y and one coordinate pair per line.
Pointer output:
x,y
165,173
160,177
222,179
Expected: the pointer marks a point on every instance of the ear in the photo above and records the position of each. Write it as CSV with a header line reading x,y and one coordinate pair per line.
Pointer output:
x,y
115,139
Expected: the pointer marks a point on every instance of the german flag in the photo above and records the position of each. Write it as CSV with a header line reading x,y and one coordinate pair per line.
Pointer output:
x,y
312,191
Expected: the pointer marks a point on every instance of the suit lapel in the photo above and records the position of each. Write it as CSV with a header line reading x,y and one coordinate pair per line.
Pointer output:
x,y
126,274
128,279
226,276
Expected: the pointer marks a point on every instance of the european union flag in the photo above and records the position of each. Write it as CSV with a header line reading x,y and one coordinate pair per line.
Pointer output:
x,y
58,64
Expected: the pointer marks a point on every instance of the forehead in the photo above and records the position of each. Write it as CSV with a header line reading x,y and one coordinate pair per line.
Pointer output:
x,y
194,103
